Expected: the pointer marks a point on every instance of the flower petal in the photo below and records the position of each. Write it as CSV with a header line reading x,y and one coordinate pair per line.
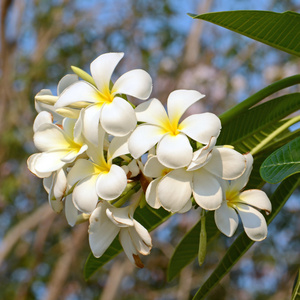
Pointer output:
x,y
91,119
143,138
65,82
118,147
226,219
78,92
103,67
120,216
174,151
110,185
129,247
226,163
151,195
186,208
141,238
253,221
71,211
85,197
152,112
42,118
101,231
256,198
51,137
59,185
118,117
207,190
201,127
136,83
31,161
153,168
179,101
174,190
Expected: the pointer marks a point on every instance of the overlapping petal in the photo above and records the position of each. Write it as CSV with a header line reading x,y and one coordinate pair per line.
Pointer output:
x,y
153,168
71,211
91,119
121,217
65,82
151,195
42,118
256,198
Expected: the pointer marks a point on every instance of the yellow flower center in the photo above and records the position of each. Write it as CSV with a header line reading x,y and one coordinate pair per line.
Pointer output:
x,y
172,128
232,198
105,96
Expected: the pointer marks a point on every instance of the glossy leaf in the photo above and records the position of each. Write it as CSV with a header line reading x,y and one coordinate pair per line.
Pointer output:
x,y
243,243
148,217
282,163
278,30
296,288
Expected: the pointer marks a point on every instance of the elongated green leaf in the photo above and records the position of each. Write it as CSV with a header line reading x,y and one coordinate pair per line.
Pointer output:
x,y
296,289
148,217
282,163
187,249
278,30
246,130
243,243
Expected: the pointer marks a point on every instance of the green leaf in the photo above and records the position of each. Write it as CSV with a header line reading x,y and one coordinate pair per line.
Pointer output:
x,y
83,75
296,288
248,129
150,218
278,30
243,243
282,163
187,249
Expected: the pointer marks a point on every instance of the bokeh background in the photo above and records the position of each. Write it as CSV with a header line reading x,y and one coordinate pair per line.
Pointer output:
x,y
41,257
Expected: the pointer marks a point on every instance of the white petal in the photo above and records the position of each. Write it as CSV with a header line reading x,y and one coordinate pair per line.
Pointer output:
x,y
49,161
50,137
78,128
186,208
101,231
152,112
110,185
85,197
118,147
91,119
68,126
71,211
256,198
118,117
226,163
207,190
82,168
174,190
253,221
78,92
129,247
31,161
133,168
151,195
65,82
120,216
136,83
242,181
174,151
42,118
143,138
179,101
47,182
201,127
141,238
226,219
103,67
59,186
153,168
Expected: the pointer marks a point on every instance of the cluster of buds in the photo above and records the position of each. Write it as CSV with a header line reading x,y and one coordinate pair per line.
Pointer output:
x,y
95,146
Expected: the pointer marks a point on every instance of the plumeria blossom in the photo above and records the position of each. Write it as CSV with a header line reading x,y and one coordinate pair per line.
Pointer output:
x,y
60,145
173,149
246,204
98,177
173,188
107,221
45,100
103,103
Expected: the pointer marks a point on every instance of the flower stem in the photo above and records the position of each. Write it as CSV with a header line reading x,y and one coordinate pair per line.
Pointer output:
x,y
257,97
203,239
268,139
131,189
82,218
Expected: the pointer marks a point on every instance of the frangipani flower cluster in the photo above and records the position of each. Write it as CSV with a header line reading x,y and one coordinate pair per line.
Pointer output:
x,y
93,143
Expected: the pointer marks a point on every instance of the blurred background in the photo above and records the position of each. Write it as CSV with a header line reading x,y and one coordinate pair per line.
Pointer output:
x,y
41,257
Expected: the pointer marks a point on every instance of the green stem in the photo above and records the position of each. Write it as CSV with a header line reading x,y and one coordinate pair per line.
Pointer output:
x,y
257,97
203,239
268,139
131,189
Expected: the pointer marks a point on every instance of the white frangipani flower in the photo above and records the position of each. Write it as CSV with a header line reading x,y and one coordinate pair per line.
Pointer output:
x,y
106,221
60,145
246,204
98,177
173,149
104,103
172,189
45,100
